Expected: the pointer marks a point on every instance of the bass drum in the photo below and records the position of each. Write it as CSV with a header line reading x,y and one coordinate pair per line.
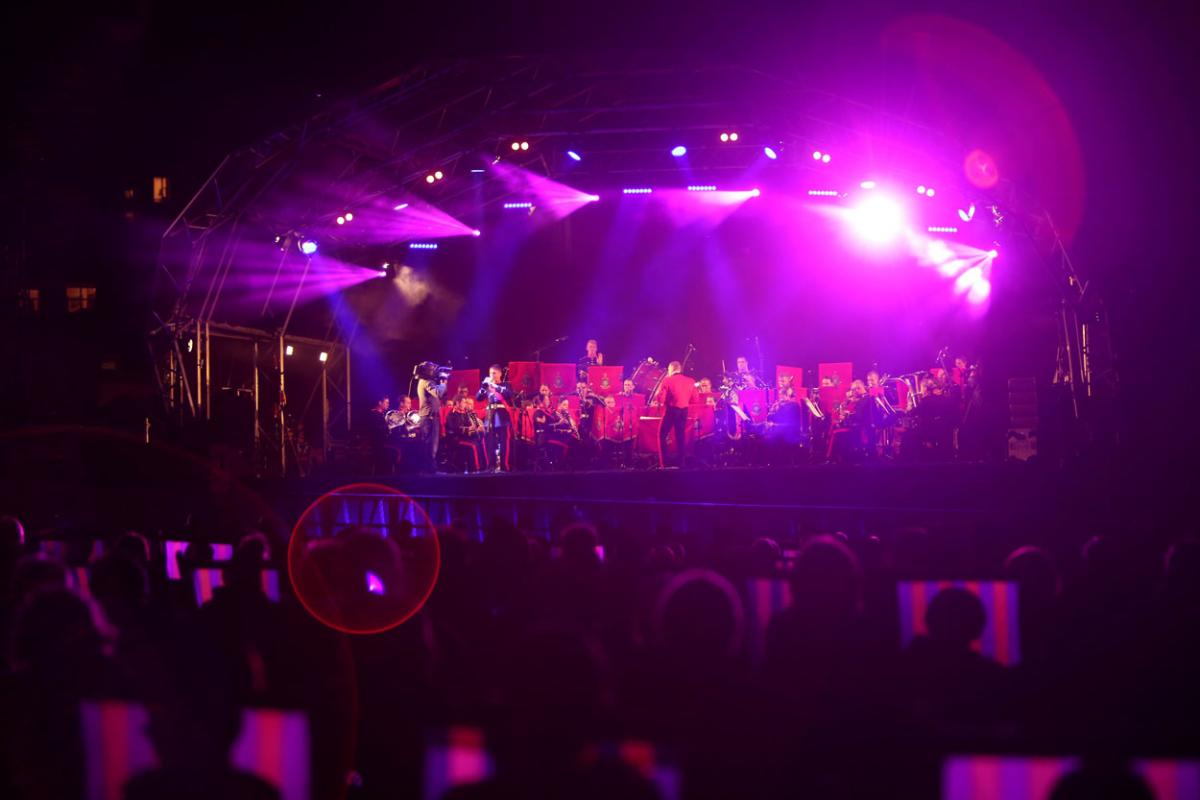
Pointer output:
x,y
646,376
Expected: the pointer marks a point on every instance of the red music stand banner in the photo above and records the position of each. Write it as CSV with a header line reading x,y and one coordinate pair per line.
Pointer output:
x,y
789,376
647,435
754,403
462,377
559,377
605,380
621,420
523,377
837,374
701,423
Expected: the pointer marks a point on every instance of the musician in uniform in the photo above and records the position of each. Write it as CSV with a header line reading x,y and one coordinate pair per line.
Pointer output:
x,y
498,395
592,357
406,437
784,431
431,388
562,435
465,434
746,378
674,395
383,455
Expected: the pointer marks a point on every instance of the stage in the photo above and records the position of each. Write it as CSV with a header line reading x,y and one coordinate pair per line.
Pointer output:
x,y
782,500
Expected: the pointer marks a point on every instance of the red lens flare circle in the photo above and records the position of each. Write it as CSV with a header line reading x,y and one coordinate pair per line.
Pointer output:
x,y
363,558
980,169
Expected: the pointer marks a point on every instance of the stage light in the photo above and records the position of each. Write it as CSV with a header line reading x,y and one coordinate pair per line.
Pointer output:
x,y
993,253
929,192
323,357
877,220
702,188
349,216
967,214
524,145
867,185
308,247
593,198
770,153
526,204
477,171
422,246
191,344
938,253
477,232
679,151
340,220
968,279
825,159
979,291
822,193
942,229
921,189
816,155
733,137
724,137
637,190
516,146
438,175
571,154
383,273
289,350
755,192
400,207
430,179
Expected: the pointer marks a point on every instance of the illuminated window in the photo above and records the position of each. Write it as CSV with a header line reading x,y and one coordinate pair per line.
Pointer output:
x,y
29,299
160,189
80,298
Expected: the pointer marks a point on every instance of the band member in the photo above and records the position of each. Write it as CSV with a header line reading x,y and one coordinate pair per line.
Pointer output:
x,y
784,430
406,437
562,435
591,358
674,395
746,378
431,388
498,395
383,455
847,441
874,386
627,388
465,435
547,397
705,386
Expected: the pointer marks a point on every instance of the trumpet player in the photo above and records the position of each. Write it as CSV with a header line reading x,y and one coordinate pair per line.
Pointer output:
x,y
498,395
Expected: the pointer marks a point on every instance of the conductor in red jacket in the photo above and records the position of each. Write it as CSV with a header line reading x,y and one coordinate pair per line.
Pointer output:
x,y
675,394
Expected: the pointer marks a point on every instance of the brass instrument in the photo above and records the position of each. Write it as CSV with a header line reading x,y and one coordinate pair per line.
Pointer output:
x,y
476,424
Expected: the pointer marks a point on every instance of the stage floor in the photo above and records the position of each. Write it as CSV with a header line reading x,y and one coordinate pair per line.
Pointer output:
x,y
813,495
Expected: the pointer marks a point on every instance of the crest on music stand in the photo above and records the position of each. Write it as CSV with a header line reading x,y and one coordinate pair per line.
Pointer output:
x,y
559,377
523,375
605,380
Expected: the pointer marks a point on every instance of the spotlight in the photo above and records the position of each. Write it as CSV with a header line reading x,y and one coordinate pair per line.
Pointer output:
x,y
703,188
637,190
400,207
383,273
289,350
733,137
993,253
308,247
477,232
770,153
430,179
438,175
867,185
877,220
979,291
679,151
942,229
593,198
929,192
755,192
524,204
816,155
921,189
724,137
340,220
822,193
825,158
524,145
571,154
349,216
323,357
422,246
516,146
